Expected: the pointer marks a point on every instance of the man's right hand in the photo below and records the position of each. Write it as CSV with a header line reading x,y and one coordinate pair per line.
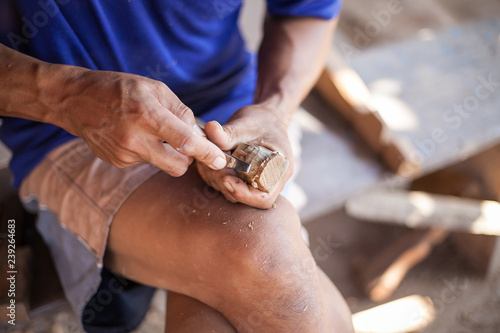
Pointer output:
x,y
126,119
129,119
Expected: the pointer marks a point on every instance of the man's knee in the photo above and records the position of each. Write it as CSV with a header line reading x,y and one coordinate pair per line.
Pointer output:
x,y
263,252
259,239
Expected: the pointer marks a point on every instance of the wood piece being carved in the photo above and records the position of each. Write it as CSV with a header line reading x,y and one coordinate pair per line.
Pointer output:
x,y
267,166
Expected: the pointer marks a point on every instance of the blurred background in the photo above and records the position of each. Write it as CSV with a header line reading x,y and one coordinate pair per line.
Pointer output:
x,y
399,180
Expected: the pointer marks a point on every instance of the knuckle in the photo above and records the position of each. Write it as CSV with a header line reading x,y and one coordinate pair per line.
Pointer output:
x,y
188,143
126,141
229,129
124,158
206,156
265,204
159,85
178,170
182,111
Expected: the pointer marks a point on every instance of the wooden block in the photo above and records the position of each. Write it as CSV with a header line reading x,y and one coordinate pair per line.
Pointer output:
x,y
421,210
267,166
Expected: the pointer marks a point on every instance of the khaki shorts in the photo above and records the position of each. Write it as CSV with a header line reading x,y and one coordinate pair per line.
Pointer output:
x,y
76,196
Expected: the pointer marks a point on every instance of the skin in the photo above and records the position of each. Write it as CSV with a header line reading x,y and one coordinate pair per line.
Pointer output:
x,y
292,54
251,274
252,279
124,118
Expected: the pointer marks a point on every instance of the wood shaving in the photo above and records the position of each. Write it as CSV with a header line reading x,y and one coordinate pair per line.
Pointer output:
x,y
250,226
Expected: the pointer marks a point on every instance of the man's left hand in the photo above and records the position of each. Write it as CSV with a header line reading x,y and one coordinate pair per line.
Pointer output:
x,y
255,124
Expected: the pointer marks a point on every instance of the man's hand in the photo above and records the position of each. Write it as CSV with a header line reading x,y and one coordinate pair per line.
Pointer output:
x,y
291,57
254,124
128,120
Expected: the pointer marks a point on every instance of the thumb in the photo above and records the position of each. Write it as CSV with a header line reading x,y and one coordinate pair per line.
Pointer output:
x,y
225,137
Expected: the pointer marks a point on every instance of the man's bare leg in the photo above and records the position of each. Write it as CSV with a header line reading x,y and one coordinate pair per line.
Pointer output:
x,y
250,265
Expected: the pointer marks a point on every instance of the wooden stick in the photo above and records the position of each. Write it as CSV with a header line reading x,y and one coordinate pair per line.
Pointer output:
x,y
383,275
422,210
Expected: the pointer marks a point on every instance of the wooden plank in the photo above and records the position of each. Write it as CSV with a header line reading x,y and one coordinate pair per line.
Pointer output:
x,y
421,210
344,90
367,23
438,93
350,165
409,314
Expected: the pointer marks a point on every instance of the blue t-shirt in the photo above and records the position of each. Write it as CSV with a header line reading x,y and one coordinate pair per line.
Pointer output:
x,y
193,46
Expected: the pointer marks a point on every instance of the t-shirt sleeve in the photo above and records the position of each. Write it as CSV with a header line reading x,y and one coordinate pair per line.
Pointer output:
x,y
325,9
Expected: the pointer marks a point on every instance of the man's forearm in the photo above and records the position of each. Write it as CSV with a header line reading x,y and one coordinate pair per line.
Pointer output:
x,y
30,88
291,57
20,85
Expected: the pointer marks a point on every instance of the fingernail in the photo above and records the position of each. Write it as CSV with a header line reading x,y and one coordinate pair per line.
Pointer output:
x,y
222,129
229,187
220,126
219,163
198,130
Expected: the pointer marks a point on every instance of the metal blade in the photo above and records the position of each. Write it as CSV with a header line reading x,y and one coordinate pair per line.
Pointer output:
x,y
236,164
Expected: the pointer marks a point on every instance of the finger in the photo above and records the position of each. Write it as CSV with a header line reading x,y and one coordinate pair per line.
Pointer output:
x,y
246,194
184,113
173,104
165,157
118,156
231,134
214,179
187,141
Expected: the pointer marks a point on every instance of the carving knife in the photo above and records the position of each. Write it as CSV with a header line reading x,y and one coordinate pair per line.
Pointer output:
x,y
236,164
231,161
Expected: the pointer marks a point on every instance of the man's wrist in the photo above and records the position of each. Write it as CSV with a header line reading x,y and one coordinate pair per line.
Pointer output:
x,y
56,83
278,104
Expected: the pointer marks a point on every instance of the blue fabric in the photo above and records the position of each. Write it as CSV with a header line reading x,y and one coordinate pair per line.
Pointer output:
x,y
325,9
193,46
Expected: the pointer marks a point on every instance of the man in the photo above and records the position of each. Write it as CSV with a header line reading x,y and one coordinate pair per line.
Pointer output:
x,y
91,135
